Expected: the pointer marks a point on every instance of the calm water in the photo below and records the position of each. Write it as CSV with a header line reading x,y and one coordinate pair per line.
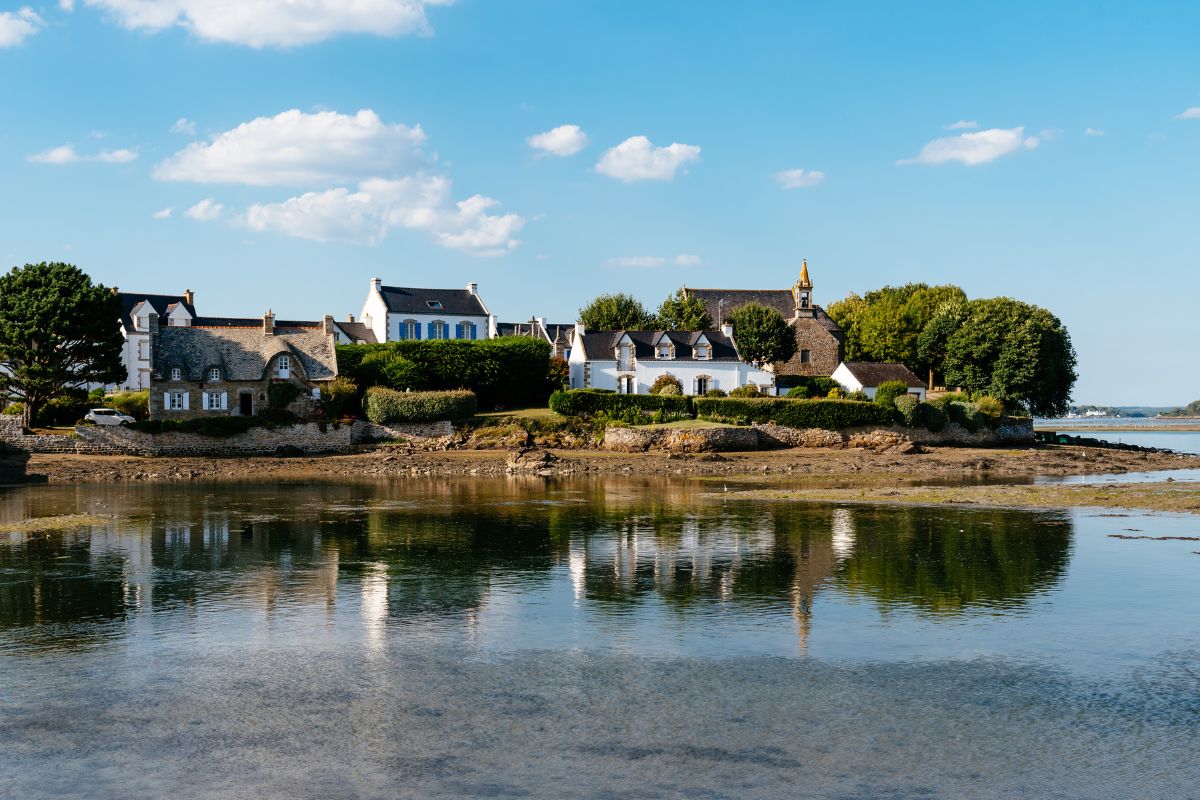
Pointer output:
x,y
629,639
1157,433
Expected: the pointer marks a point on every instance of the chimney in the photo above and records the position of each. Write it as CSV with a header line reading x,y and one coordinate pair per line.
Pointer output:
x,y
189,297
327,325
579,329
473,288
115,290
152,322
376,284
727,329
269,323
349,318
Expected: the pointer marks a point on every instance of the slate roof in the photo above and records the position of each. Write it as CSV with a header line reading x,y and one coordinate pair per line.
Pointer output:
x,y
161,303
242,352
551,331
408,300
357,332
870,373
600,345
779,299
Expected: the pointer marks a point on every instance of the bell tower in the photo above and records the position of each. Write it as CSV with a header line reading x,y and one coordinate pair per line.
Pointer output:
x,y
802,292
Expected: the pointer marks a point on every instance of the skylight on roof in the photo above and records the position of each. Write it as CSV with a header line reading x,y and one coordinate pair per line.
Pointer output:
x,y
436,305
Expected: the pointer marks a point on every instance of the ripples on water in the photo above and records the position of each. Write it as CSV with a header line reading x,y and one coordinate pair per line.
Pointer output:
x,y
633,638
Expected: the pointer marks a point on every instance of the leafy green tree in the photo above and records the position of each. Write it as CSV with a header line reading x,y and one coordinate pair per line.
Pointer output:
x,y
762,335
934,340
681,313
615,312
1017,352
58,331
886,324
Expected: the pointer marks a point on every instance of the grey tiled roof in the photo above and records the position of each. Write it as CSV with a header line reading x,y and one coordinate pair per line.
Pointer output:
x,y
779,299
357,332
870,373
600,345
161,303
409,300
242,353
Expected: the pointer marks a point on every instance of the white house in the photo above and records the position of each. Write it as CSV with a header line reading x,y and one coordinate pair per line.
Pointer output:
x,y
630,361
171,310
351,332
393,313
866,376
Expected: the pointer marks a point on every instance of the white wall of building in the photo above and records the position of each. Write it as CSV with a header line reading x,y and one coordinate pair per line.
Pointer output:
x,y
845,378
724,375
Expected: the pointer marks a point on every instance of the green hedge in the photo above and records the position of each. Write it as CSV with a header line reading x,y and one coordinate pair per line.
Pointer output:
x,y
386,405
585,403
829,414
205,426
509,371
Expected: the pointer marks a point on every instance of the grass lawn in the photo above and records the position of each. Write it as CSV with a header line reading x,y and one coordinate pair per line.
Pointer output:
x,y
691,423
536,412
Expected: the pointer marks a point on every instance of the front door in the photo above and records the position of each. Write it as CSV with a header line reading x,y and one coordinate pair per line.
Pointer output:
x,y
246,404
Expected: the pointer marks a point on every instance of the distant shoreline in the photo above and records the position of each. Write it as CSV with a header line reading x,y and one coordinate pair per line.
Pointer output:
x,y
1191,425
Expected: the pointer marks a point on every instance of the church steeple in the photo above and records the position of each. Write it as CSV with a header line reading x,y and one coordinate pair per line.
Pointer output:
x,y
802,291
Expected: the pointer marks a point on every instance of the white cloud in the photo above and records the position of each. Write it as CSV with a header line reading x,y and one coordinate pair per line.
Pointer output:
x,y
972,149
297,149
1094,132
366,216
565,140
67,5
205,211
649,262
273,23
64,154
185,126
799,178
163,213
1191,113
687,260
963,125
637,159
17,26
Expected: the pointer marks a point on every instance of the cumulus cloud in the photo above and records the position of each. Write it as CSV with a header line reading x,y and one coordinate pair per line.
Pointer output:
x,y
205,211
273,23
637,159
66,154
297,149
565,140
17,26
963,125
163,213
972,149
649,262
1191,113
67,5
379,205
185,126
799,178
1094,132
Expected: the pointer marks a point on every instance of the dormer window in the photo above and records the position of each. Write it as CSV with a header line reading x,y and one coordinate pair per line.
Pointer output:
x,y
214,374
664,349
176,373
702,352
283,367
435,305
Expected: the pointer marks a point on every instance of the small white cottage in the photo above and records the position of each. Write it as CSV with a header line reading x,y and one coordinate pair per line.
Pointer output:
x,y
866,376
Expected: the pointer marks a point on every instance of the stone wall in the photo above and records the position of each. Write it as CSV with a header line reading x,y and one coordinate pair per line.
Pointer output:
x,y
681,440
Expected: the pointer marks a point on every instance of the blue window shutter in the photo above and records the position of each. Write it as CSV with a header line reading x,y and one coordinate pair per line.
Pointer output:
x,y
429,330
472,324
416,330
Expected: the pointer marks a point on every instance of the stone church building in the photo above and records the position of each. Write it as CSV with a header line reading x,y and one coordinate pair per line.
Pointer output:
x,y
820,343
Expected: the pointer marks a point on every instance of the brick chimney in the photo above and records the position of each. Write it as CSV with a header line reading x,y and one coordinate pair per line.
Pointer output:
x,y
349,318
152,322
189,297
269,323
327,325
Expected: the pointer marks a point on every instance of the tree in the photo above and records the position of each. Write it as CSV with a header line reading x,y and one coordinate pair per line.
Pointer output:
x,y
761,334
616,312
886,324
934,340
682,313
1014,351
58,330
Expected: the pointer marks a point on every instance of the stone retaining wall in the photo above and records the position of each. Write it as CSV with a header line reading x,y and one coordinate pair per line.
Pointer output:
x,y
681,440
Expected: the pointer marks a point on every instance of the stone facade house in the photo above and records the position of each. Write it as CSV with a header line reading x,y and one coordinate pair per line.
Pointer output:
x,y
629,362
220,366
136,308
866,376
820,343
393,313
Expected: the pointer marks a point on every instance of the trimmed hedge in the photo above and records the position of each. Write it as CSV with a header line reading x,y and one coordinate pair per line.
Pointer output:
x,y
386,405
829,414
586,403
906,409
205,426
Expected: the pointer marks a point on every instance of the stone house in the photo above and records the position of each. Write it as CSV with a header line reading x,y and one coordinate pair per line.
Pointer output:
x,y
557,334
866,376
393,313
220,366
820,343
136,308
629,362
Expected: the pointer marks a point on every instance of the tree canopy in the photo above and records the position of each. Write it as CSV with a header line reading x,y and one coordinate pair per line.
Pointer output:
x,y
762,334
616,312
1192,409
58,330
681,313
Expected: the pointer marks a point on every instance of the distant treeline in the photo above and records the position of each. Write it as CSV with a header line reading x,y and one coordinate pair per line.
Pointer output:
x,y
1192,409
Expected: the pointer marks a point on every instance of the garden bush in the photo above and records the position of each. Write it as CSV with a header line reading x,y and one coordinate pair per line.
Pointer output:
x,y
666,384
991,408
749,390
965,414
836,393
887,392
716,393
66,409
859,395
338,398
906,410
14,409
829,414
798,393
135,404
282,394
633,408
387,405
930,417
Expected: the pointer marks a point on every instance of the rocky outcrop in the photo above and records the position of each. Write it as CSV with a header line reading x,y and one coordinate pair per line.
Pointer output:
x,y
681,440
534,461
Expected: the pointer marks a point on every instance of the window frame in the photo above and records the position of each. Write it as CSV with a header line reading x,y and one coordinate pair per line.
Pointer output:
x,y
283,366
176,374
214,373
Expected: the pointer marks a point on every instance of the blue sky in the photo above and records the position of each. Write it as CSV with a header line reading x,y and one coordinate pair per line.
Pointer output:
x,y
335,146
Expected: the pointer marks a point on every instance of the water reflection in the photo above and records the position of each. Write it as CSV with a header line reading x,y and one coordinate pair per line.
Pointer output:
x,y
418,552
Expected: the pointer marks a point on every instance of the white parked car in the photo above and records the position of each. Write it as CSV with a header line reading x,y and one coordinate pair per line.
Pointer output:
x,y
107,416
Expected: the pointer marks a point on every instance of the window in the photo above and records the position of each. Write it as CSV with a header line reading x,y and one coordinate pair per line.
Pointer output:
x,y
214,374
806,356
464,330
664,350
177,401
410,329
702,353
436,305
438,330
214,401
626,384
701,384
283,367
176,373
144,350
